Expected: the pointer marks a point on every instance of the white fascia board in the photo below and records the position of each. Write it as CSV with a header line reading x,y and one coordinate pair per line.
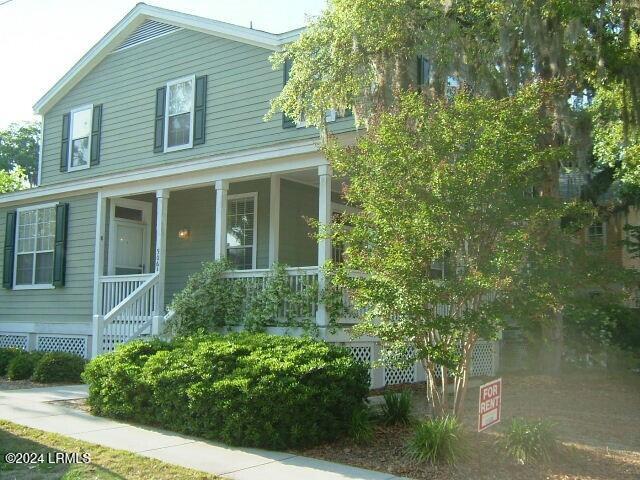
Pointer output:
x,y
138,15
241,163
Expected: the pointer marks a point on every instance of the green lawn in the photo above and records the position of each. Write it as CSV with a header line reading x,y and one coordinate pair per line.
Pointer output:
x,y
106,463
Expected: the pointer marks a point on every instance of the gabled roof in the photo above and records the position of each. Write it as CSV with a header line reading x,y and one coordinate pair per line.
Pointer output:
x,y
136,17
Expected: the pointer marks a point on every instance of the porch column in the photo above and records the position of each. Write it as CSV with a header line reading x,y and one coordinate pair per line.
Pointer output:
x,y
162,203
274,218
324,244
220,237
98,270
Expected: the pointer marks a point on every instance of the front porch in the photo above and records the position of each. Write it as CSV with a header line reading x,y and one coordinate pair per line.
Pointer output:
x,y
149,243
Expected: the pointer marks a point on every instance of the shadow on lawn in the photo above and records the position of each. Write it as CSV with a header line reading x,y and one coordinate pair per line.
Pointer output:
x,y
41,468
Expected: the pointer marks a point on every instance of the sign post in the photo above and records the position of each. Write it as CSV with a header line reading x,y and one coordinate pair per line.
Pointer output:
x,y
489,404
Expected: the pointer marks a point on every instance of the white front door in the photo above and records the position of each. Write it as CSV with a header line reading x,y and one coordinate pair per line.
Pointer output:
x,y
129,237
130,242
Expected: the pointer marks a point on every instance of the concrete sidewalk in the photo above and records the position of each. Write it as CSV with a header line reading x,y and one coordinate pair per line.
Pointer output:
x,y
31,407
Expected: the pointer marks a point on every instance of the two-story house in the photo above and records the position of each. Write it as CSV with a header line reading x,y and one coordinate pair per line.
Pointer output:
x,y
155,158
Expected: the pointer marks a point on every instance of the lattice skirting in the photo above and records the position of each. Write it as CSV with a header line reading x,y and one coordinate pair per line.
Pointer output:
x,y
14,340
62,343
484,362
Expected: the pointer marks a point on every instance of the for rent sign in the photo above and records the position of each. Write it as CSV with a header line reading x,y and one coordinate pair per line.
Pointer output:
x,y
490,403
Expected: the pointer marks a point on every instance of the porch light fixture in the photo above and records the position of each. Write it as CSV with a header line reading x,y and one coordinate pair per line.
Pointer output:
x,y
184,233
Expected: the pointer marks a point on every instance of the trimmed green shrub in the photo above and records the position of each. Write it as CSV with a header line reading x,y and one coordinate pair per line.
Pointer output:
x,y
396,408
59,367
361,426
22,365
114,379
529,441
6,355
244,389
439,440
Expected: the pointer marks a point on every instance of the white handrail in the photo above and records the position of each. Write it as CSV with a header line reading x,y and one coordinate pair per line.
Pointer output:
x,y
264,272
135,295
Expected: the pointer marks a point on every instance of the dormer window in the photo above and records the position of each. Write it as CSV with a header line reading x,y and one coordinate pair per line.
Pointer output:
x,y
80,144
179,118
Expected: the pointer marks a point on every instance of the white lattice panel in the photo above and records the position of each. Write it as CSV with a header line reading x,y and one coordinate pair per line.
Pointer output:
x,y
394,375
483,359
361,352
14,341
58,343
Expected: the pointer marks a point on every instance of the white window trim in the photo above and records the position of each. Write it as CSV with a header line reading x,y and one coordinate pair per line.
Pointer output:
x,y
36,286
70,156
254,245
588,237
329,117
167,149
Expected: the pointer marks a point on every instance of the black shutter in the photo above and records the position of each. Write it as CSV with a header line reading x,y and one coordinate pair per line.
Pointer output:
x,y
424,67
287,122
60,248
96,133
158,135
64,147
9,249
200,111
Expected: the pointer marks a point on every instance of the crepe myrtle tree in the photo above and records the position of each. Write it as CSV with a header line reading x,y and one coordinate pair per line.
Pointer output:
x,y
449,213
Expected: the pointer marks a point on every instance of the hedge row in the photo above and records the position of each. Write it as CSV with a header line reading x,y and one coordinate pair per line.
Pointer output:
x,y
51,367
244,389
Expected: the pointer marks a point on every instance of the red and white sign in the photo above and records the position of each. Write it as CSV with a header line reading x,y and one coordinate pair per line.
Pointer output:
x,y
490,403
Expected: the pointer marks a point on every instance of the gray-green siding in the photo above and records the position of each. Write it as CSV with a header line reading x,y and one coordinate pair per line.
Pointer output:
x,y
241,83
73,302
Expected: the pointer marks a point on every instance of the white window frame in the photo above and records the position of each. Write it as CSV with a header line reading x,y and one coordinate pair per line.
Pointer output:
x,y
591,241
70,156
329,117
33,286
254,245
192,79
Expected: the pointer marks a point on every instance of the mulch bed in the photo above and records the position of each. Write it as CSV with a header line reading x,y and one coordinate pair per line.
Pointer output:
x,y
596,417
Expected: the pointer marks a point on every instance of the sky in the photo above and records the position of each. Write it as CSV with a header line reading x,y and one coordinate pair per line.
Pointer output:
x,y
41,39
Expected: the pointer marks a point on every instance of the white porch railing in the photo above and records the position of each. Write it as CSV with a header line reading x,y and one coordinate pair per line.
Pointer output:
x,y
299,279
116,288
128,306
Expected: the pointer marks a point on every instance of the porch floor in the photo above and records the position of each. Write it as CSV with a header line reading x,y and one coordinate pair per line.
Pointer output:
x,y
31,408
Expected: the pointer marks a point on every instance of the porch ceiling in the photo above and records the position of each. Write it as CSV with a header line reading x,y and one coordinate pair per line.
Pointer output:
x,y
310,177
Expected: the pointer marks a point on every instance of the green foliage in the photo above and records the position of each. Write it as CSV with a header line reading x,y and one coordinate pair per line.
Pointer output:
x,y
211,301
243,389
6,355
444,183
208,301
439,440
13,180
599,328
529,441
361,425
115,385
396,408
19,150
21,366
56,367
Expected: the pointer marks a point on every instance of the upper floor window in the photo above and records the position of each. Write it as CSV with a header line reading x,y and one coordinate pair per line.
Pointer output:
x,y
179,117
35,242
80,143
